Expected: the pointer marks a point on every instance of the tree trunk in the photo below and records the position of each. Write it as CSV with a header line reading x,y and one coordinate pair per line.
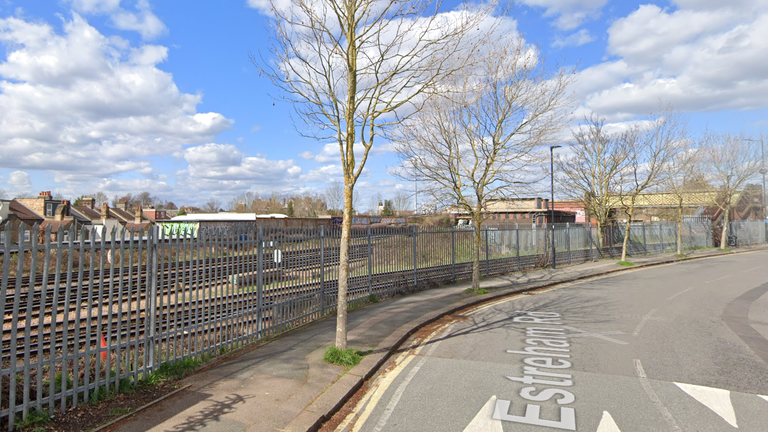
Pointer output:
x,y
476,220
600,240
341,305
680,228
626,233
726,221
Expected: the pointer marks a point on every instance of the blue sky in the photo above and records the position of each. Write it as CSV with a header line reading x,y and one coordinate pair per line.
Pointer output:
x,y
125,96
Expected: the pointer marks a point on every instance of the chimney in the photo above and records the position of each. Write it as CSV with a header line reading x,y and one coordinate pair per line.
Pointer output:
x,y
46,195
104,212
61,211
137,215
122,204
89,202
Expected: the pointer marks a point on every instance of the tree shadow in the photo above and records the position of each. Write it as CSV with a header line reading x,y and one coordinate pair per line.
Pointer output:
x,y
212,413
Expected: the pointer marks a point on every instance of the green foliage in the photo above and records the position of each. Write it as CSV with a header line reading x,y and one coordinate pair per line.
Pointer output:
x,y
181,212
680,255
347,358
476,291
625,263
724,250
373,298
388,209
35,417
290,208
171,370
120,411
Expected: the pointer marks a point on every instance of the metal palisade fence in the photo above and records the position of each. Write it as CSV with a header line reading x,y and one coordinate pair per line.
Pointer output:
x,y
86,318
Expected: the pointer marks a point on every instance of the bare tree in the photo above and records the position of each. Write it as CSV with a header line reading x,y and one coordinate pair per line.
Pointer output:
x,y
481,138
400,202
212,206
353,69
334,196
373,204
592,170
651,148
682,181
730,161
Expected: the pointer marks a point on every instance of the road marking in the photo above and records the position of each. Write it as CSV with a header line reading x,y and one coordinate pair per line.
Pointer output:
x,y
607,424
643,321
484,421
764,397
681,292
718,400
719,279
599,335
491,304
753,269
401,389
655,398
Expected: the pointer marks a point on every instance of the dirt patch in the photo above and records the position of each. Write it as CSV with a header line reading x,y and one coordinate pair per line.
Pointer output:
x,y
92,415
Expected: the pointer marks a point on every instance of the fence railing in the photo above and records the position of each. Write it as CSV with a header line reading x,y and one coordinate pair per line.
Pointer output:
x,y
84,318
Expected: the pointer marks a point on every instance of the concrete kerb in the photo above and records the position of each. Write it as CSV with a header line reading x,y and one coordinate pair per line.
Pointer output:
x,y
363,371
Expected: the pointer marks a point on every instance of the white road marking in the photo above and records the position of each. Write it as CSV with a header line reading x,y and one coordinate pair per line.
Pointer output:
x,y
718,400
681,292
643,321
607,424
753,269
655,398
484,421
764,397
599,335
401,389
719,279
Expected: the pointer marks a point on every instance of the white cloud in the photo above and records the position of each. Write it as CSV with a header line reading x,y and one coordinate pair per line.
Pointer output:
x,y
143,21
85,106
308,155
327,173
579,38
216,155
20,182
570,13
696,59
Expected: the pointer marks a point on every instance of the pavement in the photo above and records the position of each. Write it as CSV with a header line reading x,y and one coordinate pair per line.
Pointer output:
x,y
284,384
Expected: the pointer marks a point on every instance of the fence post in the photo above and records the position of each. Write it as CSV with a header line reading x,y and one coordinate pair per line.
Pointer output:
x,y
370,262
589,241
487,261
645,241
322,270
690,231
517,245
415,269
568,240
453,254
153,275
661,238
260,280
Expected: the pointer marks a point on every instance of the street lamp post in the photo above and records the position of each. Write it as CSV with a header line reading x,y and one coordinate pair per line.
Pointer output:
x,y
552,197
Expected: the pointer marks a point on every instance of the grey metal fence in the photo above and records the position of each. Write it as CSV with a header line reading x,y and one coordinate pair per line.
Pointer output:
x,y
84,318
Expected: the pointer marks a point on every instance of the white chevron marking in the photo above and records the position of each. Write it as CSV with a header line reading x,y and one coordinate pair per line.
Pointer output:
x,y
718,400
607,424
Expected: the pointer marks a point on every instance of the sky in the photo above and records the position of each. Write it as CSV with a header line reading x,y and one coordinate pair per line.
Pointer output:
x,y
126,96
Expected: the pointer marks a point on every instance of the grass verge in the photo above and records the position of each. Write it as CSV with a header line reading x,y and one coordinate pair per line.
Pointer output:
x,y
476,291
625,263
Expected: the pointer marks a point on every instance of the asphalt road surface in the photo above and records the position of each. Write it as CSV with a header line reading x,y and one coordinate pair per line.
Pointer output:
x,y
681,347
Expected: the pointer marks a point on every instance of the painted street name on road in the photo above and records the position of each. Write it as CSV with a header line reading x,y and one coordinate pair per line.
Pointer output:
x,y
546,349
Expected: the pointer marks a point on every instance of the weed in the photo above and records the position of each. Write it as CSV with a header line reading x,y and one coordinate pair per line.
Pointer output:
x,y
724,250
120,411
171,370
625,263
476,291
347,358
373,298
33,418
680,255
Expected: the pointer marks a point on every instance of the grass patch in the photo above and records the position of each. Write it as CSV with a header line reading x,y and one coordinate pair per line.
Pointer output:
x,y
681,255
171,370
476,291
347,358
120,411
36,417
725,250
373,298
625,263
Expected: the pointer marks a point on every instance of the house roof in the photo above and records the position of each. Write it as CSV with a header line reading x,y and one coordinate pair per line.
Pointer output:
x,y
55,225
123,215
24,213
86,212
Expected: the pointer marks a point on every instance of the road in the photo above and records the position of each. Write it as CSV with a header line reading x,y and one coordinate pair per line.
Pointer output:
x,y
681,347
